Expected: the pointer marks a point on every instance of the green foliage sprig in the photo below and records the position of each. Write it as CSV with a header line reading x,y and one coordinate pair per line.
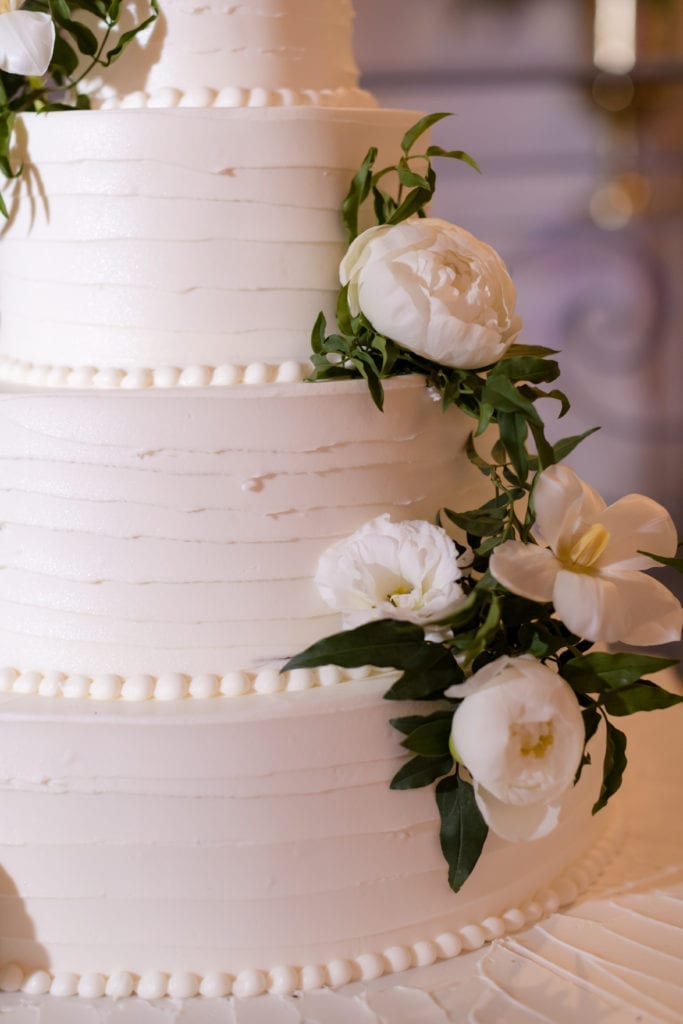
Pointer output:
x,y
491,622
86,38
357,349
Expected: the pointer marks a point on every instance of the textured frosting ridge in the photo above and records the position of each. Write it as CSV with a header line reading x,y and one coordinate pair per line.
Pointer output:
x,y
147,533
270,51
148,241
285,980
262,825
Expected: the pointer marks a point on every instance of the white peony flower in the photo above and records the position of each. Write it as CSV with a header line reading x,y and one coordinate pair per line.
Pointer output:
x,y
434,289
27,39
391,570
520,734
590,565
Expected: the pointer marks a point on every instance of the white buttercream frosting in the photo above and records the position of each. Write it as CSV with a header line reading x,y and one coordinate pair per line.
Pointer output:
x,y
245,847
179,247
201,52
154,538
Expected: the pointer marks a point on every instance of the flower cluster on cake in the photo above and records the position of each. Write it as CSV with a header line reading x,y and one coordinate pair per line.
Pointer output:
x,y
496,630
186,819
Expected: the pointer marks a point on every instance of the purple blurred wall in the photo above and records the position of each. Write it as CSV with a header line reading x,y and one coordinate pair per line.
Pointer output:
x,y
519,76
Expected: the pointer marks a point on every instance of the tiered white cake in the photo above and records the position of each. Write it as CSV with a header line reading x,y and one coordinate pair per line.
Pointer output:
x,y
177,815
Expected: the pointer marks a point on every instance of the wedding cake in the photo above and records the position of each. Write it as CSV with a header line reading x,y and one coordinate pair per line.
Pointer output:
x,y
179,815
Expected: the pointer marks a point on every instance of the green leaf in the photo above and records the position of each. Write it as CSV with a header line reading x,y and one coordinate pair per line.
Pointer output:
x,y
410,178
359,190
515,351
427,672
640,696
368,370
564,447
430,739
480,522
343,312
421,771
415,201
85,39
476,459
384,205
534,394
513,434
598,672
463,829
614,766
528,368
504,396
59,9
454,154
64,57
544,452
419,129
319,333
128,37
389,643
409,723
591,721
673,563
486,631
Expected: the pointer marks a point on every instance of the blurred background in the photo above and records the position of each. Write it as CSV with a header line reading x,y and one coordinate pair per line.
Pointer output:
x,y
574,111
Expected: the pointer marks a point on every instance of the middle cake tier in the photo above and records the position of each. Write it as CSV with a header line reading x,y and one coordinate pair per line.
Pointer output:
x,y
162,247
179,531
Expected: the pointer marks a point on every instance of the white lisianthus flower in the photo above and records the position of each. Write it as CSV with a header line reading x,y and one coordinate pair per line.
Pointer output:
x,y
391,570
434,289
520,734
27,39
589,566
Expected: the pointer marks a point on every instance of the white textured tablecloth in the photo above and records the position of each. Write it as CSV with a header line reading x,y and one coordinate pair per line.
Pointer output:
x,y
615,957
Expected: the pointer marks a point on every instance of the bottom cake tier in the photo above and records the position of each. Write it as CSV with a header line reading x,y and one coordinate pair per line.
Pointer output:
x,y
243,845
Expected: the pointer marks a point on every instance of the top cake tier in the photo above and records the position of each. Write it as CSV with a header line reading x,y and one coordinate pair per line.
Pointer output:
x,y
255,53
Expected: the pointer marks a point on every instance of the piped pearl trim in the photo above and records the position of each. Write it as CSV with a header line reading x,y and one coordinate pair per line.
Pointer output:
x,y
172,686
334,974
17,371
233,96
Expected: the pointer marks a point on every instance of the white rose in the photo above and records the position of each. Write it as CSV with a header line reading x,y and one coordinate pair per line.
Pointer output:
x,y
391,570
520,734
434,289
588,562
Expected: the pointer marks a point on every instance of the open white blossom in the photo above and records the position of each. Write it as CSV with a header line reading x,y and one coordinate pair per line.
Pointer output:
x,y
434,289
27,39
391,570
589,566
520,734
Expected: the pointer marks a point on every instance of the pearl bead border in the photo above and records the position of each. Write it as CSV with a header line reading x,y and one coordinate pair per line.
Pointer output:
x,y
285,980
17,371
175,686
233,97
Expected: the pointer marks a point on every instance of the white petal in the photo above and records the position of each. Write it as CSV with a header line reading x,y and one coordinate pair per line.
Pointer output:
x,y
525,569
655,614
591,606
394,304
565,506
516,823
637,523
620,607
27,39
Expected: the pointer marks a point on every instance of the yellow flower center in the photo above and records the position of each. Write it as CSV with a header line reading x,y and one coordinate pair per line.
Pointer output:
x,y
399,591
535,738
5,7
588,548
